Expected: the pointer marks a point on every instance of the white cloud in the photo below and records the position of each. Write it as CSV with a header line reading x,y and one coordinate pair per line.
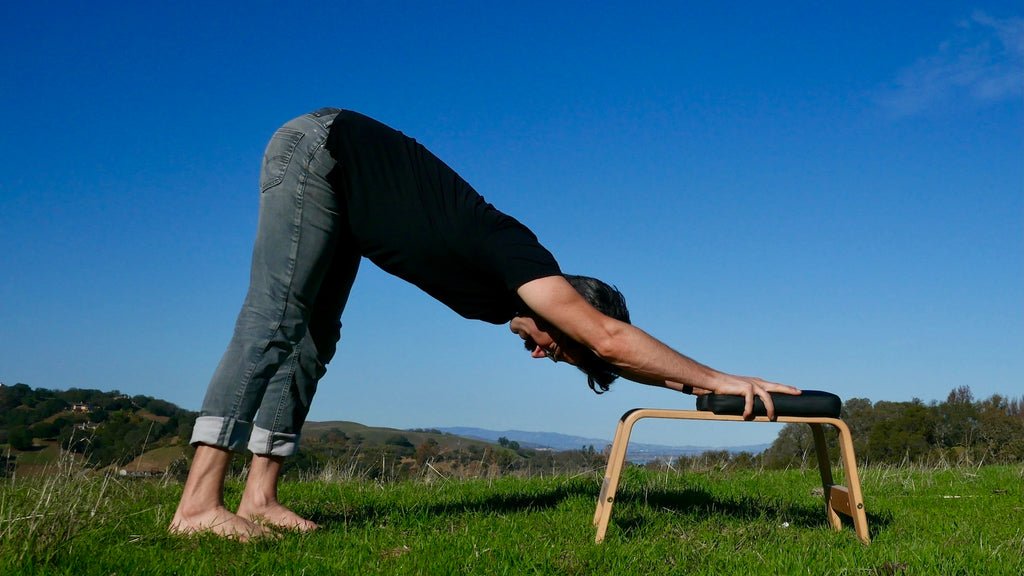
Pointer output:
x,y
981,64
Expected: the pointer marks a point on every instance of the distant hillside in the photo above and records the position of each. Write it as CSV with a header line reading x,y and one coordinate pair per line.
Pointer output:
x,y
372,435
638,452
100,428
348,448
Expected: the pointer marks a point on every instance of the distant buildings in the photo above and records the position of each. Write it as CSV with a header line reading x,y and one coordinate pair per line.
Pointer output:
x,y
139,473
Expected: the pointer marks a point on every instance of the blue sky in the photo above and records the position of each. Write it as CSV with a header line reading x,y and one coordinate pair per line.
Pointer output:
x,y
828,196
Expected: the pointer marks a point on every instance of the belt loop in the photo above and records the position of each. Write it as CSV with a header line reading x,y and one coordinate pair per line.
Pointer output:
x,y
325,112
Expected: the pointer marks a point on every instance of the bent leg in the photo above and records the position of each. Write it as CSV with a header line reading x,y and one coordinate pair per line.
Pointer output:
x,y
289,395
290,392
293,250
295,238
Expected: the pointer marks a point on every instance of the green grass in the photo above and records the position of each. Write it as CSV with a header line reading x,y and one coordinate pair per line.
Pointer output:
x,y
948,521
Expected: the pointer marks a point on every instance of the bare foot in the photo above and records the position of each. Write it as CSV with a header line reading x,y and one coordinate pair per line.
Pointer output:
x,y
275,514
219,521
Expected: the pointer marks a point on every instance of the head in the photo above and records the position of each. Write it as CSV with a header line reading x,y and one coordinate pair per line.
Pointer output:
x,y
607,299
544,340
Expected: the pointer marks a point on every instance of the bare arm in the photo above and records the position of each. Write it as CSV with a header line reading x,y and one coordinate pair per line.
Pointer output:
x,y
637,355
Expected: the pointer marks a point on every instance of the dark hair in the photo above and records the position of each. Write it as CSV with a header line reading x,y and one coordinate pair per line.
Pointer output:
x,y
610,302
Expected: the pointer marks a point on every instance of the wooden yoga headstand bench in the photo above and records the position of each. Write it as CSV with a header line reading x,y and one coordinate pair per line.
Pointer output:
x,y
811,407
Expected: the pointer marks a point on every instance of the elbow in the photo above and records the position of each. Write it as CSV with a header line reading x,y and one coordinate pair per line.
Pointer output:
x,y
610,347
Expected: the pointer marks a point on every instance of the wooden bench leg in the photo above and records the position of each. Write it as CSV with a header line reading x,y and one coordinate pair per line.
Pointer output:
x,y
855,500
825,468
608,472
616,460
841,499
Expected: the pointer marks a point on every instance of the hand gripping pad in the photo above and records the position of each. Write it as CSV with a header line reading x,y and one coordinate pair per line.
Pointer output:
x,y
813,403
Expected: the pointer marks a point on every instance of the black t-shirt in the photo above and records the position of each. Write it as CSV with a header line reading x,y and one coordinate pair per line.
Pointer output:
x,y
416,218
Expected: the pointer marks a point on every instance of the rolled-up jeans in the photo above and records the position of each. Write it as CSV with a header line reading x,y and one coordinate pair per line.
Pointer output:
x,y
303,267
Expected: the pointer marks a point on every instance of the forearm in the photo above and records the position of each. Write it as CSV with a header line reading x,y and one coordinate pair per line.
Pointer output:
x,y
669,384
635,354
644,359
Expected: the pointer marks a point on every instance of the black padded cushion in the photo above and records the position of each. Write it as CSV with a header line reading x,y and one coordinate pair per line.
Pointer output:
x,y
810,403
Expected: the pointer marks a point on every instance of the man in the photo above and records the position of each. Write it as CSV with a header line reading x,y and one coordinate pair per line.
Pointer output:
x,y
336,186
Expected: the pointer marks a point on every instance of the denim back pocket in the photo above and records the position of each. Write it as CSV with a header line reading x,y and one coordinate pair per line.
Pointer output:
x,y
277,156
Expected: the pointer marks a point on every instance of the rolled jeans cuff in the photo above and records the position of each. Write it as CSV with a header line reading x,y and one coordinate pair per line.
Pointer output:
x,y
221,432
236,435
267,443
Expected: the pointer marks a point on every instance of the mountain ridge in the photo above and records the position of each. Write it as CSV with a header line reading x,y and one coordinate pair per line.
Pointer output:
x,y
557,441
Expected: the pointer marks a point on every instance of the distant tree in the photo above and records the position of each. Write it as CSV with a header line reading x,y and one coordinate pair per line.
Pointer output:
x,y
83,395
118,402
476,452
502,458
30,400
1015,408
427,451
12,397
20,416
909,435
302,461
19,438
791,447
98,415
744,460
65,420
399,440
47,430
1001,434
162,408
960,395
860,416
185,425
51,406
957,424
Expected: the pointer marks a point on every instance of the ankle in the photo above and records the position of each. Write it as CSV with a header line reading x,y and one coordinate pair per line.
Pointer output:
x,y
257,500
190,507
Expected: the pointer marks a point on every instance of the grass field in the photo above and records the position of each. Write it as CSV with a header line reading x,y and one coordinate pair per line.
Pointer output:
x,y
946,521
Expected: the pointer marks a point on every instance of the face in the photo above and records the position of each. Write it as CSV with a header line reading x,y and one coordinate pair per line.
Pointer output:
x,y
543,340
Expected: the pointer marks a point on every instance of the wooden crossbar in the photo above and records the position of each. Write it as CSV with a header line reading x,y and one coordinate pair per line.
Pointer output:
x,y
839,499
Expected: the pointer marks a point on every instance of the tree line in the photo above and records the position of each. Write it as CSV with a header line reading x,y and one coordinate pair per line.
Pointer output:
x,y
959,430
109,427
